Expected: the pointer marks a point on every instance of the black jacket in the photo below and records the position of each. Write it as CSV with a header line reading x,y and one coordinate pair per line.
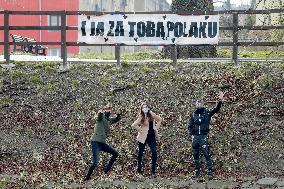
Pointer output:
x,y
198,123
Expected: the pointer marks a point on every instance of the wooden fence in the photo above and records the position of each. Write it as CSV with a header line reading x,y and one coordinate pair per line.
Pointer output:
x,y
63,28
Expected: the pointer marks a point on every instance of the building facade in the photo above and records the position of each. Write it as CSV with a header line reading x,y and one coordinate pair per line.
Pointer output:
x,y
152,5
42,20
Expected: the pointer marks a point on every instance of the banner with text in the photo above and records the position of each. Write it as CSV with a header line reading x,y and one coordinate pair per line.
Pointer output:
x,y
149,29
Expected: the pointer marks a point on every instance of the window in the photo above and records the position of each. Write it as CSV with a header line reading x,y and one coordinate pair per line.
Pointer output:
x,y
54,20
54,52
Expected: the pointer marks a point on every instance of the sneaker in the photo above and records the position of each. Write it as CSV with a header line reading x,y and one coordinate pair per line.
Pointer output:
x,y
153,176
196,176
86,179
210,175
106,177
139,176
86,182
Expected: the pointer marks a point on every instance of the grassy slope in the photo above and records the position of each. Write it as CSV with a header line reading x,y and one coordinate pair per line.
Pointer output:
x,y
47,118
156,55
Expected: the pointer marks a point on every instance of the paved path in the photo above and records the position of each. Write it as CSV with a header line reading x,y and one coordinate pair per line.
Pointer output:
x,y
246,183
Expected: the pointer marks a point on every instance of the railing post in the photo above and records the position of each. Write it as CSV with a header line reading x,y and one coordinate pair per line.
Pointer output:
x,y
6,37
235,38
63,42
174,55
117,54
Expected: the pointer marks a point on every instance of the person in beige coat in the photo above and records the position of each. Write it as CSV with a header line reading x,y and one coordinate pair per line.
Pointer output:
x,y
147,125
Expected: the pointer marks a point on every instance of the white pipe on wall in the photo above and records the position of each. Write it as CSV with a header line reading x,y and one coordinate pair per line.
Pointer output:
x,y
40,19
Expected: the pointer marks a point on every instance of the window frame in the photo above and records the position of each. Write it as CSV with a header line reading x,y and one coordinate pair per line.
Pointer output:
x,y
58,22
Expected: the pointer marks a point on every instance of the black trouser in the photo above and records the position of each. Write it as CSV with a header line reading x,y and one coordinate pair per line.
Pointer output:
x,y
96,148
201,141
151,141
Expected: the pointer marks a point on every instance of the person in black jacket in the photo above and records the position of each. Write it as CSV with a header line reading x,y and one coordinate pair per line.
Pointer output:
x,y
198,127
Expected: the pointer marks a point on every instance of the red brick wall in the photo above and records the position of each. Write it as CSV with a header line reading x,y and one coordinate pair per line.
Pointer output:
x,y
34,20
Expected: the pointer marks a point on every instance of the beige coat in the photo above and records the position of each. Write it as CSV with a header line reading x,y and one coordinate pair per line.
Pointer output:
x,y
143,131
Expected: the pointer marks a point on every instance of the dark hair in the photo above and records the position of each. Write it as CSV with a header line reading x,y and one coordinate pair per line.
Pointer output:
x,y
142,114
108,106
200,100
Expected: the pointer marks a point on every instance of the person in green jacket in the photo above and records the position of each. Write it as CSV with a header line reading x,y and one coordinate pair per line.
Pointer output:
x,y
98,140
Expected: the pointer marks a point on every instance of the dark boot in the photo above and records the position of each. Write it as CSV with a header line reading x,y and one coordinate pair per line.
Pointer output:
x,y
86,179
210,174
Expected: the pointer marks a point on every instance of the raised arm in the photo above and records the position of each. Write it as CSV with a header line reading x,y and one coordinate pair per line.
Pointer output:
x,y
116,119
100,115
218,106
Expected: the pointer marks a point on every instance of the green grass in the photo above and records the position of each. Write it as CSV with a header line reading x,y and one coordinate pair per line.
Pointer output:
x,y
228,53
105,79
96,56
36,79
156,55
18,75
146,69
265,80
47,88
52,87
145,55
75,83
5,101
166,73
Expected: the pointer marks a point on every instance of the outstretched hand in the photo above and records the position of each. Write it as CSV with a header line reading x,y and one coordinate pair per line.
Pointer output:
x,y
118,112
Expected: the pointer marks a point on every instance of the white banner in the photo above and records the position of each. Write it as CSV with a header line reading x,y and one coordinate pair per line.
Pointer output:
x,y
149,29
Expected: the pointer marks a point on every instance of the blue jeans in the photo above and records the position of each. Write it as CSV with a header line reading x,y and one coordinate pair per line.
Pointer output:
x,y
151,141
96,148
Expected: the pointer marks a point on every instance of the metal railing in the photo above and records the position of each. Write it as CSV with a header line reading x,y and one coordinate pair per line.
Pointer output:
x,y
235,43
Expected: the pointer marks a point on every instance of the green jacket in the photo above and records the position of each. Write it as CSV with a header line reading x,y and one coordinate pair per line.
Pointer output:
x,y
102,127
